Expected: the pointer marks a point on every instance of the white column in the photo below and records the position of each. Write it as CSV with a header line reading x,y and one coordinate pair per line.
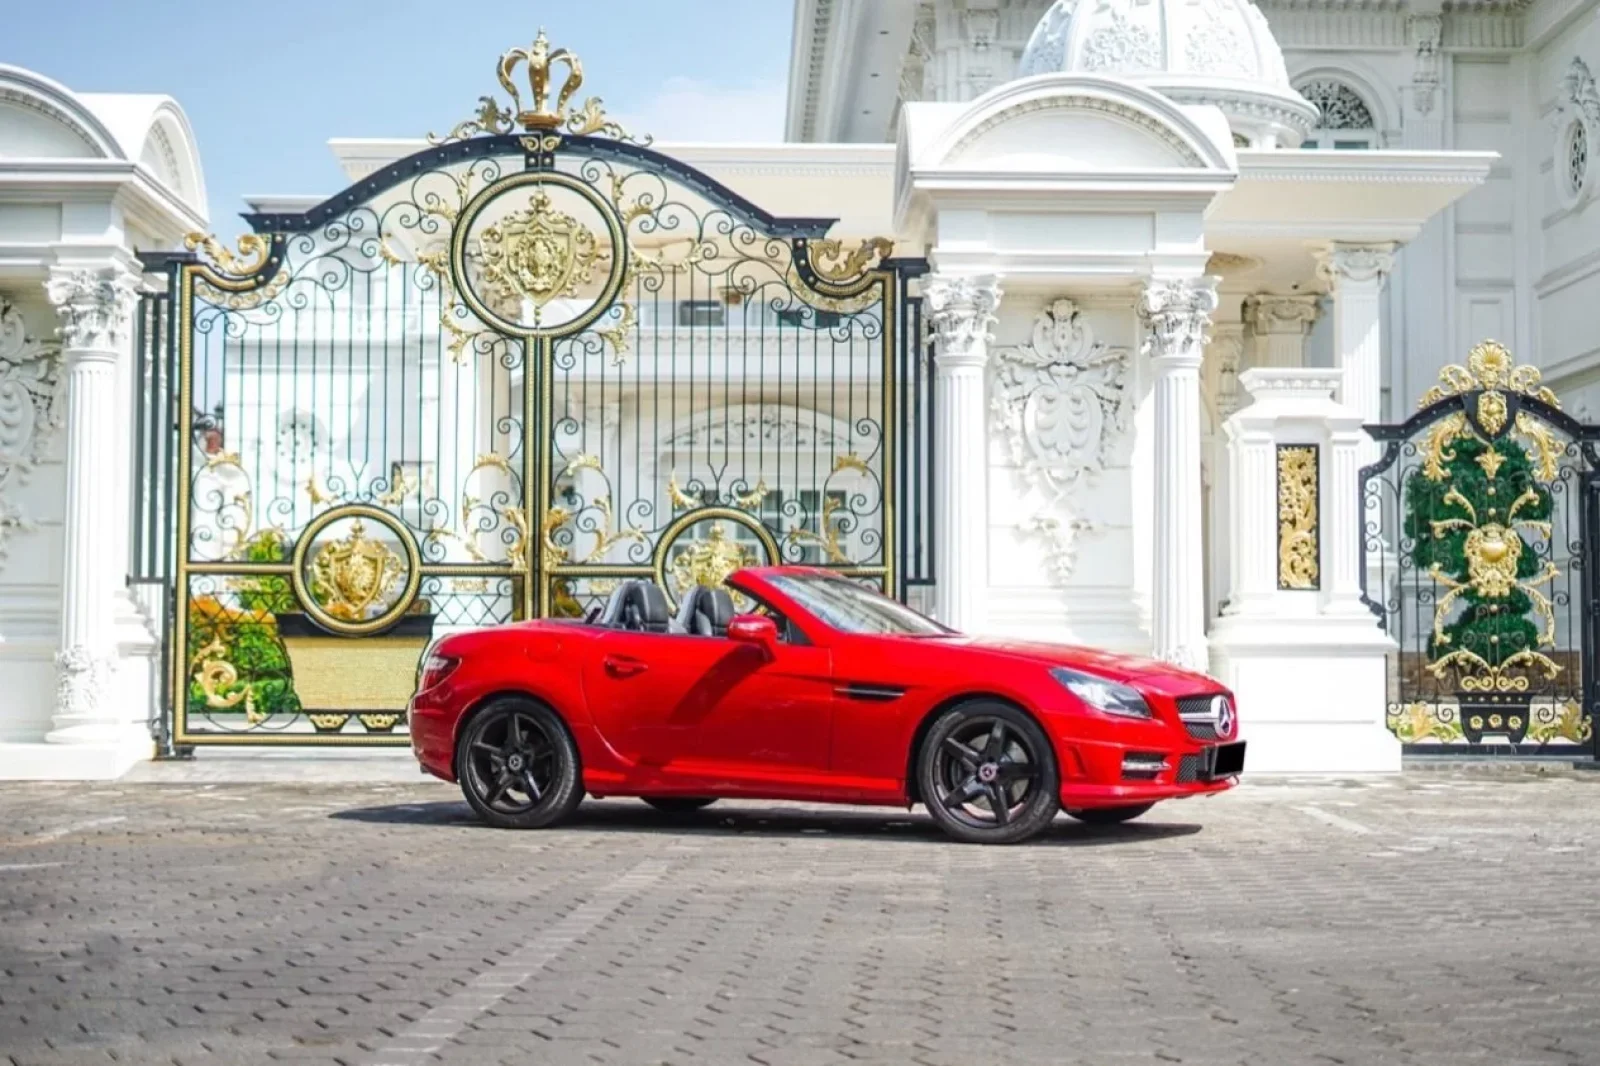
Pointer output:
x,y
962,311
96,308
1175,313
1344,531
1355,273
1278,328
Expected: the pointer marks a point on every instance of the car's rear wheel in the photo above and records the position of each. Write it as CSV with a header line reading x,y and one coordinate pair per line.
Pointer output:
x,y
518,766
679,804
1109,815
987,774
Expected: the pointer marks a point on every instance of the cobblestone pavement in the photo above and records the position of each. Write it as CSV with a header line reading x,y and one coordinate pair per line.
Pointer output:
x,y
1437,918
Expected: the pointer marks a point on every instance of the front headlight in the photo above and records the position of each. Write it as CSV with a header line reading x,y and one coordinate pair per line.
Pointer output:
x,y
1103,695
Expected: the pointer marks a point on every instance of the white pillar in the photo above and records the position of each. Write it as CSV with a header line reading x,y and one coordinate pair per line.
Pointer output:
x,y
1278,327
96,308
1308,664
962,311
1175,313
1355,273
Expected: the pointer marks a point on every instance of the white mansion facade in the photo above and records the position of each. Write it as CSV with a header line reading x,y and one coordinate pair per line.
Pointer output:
x,y
1167,240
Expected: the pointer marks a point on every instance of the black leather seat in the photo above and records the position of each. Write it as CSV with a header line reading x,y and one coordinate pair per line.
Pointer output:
x,y
705,612
645,609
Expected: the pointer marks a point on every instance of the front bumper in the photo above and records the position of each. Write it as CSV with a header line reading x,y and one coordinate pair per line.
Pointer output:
x,y
1093,772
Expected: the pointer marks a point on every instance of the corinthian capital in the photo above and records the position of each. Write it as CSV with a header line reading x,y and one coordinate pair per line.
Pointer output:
x,y
96,306
1175,313
1269,313
1339,263
962,311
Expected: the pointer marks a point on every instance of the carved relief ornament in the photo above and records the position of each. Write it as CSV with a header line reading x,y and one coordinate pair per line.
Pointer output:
x,y
96,306
31,411
961,311
1061,404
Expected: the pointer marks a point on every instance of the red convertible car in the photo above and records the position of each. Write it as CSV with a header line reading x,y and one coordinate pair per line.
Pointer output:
x,y
823,691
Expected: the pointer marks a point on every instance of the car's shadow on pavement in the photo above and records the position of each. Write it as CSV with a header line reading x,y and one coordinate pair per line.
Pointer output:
x,y
628,816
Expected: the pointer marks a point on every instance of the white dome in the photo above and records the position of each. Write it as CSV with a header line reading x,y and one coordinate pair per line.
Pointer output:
x,y
1195,51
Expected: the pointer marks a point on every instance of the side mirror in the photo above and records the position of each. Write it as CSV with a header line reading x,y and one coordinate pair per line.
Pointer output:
x,y
755,629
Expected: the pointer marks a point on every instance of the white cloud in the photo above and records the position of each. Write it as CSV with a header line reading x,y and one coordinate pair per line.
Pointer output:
x,y
687,109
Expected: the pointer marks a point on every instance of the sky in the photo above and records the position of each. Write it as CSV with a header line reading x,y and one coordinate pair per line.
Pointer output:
x,y
266,84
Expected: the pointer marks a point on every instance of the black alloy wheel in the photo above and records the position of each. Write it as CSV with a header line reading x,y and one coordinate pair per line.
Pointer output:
x,y
988,774
1109,815
679,804
518,766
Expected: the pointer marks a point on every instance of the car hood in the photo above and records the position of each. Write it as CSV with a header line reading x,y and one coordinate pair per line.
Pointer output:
x,y
1137,670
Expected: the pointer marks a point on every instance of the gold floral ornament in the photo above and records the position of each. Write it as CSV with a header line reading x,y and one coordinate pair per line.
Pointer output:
x,y
351,577
536,112
1297,518
1493,551
710,562
216,677
1491,373
537,254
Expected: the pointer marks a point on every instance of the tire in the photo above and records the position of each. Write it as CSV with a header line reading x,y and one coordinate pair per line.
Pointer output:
x,y
517,765
679,804
984,757
1110,815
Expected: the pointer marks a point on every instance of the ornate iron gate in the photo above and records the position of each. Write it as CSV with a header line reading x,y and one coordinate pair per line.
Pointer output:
x,y
495,378
1480,533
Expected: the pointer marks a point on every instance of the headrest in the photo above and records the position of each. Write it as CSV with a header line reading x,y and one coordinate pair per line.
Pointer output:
x,y
644,607
705,611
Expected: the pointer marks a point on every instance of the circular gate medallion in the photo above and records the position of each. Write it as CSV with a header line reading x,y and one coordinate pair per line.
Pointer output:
x,y
539,254
356,570
701,548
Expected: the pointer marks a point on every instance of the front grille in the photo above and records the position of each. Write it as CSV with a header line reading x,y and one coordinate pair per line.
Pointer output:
x,y
1197,717
1189,767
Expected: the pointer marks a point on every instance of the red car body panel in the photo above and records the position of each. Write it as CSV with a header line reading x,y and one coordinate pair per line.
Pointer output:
x,y
834,720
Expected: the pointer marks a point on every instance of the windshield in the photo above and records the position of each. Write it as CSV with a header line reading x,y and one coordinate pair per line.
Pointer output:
x,y
852,608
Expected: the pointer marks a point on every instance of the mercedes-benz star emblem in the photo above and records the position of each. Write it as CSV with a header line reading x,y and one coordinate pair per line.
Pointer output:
x,y
1222,714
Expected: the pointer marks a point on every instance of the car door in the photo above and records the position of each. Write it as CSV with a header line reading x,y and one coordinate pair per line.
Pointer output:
x,y
763,719
641,687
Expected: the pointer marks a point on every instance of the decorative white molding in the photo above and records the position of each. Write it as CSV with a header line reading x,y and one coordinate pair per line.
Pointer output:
x,y
776,428
961,312
1338,263
96,306
81,680
1061,403
1176,312
1281,313
1425,32
30,413
1227,348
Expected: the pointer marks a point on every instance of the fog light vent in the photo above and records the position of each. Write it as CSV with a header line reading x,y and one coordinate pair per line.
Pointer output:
x,y
1143,765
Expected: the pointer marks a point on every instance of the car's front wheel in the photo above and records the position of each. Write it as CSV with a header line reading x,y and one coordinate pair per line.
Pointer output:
x,y
987,774
518,766
1109,815
679,804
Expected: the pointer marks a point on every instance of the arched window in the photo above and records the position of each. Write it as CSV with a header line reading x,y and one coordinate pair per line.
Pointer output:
x,y
1347,122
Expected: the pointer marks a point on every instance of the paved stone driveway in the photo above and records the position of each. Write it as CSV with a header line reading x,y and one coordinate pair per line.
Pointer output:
x,y
1440,918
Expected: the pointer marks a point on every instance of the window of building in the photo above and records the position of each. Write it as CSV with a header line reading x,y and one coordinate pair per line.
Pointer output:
x,y
1347,123
701,313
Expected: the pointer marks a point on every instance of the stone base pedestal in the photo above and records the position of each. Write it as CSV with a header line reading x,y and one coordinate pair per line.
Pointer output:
x,y
73,762
1311,693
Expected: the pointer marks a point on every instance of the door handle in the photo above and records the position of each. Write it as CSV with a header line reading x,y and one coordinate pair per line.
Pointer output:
x,y
618,666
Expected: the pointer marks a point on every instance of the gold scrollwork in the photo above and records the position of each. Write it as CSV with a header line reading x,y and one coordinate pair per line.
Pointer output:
x,y
251,256
1297,517
1491,372
216,676
1416,722
829,541
832,262
1564,722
